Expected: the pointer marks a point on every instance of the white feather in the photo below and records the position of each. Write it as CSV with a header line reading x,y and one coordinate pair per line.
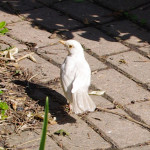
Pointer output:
x,y
75,78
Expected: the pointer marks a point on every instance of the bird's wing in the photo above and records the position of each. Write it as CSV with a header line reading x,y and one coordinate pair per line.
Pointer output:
x,y
82,78
67,73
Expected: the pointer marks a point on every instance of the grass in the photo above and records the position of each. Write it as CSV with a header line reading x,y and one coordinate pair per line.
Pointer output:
x,y
3,29
44,129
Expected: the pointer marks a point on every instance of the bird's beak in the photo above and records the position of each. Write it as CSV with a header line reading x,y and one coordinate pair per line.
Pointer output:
x,y
62,42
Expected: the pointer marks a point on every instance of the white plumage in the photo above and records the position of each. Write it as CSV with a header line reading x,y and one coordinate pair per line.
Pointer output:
x,y
76,77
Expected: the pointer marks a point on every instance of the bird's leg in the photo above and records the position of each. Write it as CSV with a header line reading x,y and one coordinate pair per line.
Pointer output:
x,y
70,108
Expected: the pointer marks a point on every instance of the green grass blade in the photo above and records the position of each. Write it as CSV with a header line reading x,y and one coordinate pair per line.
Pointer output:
x,y
2,24
44,129
4,30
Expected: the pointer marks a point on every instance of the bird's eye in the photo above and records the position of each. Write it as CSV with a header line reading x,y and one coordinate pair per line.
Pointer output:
x,y
70,46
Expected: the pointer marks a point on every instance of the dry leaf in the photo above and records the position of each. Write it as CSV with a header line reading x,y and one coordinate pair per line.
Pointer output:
x,y
51,120
97,93
9,53
85,21
27,56
122,61
32,58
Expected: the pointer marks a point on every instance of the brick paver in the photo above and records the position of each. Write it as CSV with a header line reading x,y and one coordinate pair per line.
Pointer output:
x,y
113,83
121,45
145,147
128,31
132,62
97,41
122,5
141,109
86,11
7,16
51,19
119,130
79,133
32,139
43,70
58,53
142,15
13,43
26,32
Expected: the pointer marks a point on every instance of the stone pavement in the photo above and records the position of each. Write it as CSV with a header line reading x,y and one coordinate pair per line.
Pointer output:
x,y
118,51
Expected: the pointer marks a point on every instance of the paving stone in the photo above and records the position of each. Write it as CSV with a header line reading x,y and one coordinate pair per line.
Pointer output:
x,y
25,32
3,46
141,109
33,141
22,5
49,2
7,16
78,132
119,87
86,12
135,64
58,53
44,70
51,19
128,31
122,131
13,43
97,41
146,147
122,5
102,102
145,49
142,14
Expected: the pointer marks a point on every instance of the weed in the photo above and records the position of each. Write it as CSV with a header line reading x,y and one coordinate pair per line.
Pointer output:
x,y
3,108
3,29
134,18
44,129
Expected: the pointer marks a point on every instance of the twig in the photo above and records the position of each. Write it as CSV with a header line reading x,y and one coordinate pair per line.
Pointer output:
x,y
6,59
124,116
141,61
25,56
32,77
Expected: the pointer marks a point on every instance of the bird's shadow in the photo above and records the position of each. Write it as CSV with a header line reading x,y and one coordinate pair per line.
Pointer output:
x,y
56,100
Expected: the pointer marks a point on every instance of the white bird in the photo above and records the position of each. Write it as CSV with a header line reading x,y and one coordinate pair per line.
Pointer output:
x,y
76,77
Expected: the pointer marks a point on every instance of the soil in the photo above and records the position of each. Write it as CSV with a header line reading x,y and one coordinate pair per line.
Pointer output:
x,y
26,100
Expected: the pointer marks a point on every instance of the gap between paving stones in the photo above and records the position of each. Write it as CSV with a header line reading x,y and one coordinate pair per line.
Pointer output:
x,y
103,59
124,108
131,114
120,70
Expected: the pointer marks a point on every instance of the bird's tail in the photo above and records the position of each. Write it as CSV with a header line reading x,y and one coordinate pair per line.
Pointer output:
x,y
82,102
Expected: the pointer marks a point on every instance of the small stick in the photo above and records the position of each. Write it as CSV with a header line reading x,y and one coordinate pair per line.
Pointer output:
x,y
25,56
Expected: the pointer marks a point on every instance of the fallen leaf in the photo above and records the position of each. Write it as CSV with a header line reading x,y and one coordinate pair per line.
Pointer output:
x,y
9,53
85,21
51,120
122,61
97,93
61,132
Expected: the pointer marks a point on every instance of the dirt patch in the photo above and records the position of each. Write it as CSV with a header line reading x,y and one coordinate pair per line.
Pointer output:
x,y
26,100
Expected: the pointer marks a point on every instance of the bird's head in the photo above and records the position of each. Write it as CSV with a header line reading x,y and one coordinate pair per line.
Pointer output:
x,y
73,47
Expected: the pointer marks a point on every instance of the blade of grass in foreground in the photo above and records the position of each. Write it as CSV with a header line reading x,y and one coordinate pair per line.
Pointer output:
x,y
44,129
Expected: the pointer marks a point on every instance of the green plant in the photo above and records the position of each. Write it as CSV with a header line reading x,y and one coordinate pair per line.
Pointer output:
x,y
3,108
61,132
3,29
1,92
44,129
134,18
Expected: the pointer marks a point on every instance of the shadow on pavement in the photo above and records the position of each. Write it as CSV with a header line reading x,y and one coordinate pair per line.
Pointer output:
x,y
56,100
53,20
